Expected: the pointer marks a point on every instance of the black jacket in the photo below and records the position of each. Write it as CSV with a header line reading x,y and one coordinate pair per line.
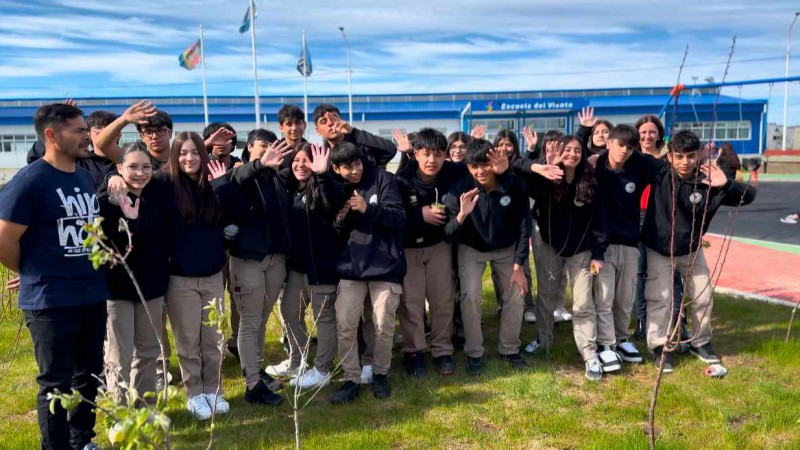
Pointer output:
x,y
314,240
691,197
372,242
501,218
569,226
375,149
149,256
418,233
265,228
622,192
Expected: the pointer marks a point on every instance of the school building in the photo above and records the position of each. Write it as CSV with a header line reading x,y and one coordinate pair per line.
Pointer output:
x,y
743,122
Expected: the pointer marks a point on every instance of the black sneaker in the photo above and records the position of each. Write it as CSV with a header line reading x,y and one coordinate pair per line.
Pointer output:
x,y
271,383
415,364
445,365
380,386
234,350
515,360
669,365
705,353
261,394
347,392
474,366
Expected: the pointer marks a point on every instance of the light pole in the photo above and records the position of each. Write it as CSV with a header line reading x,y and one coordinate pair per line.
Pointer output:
x,y
349,78
786,84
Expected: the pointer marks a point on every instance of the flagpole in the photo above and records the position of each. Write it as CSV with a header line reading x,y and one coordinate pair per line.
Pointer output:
x,y
349,78
203,60
305,75
255,63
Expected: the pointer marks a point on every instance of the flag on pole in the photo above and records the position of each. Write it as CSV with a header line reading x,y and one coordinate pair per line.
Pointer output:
x,y
246,21
304,60
190,57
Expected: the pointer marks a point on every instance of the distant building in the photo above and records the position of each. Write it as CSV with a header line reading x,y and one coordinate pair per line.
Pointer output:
x,y
775,137
740,121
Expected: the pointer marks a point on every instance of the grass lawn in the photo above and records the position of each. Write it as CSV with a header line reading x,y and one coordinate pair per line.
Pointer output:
x,y
551,405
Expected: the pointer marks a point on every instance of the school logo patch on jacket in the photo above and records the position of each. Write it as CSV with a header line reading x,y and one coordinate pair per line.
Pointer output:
x,y
696,197
374,199
630,188
505,200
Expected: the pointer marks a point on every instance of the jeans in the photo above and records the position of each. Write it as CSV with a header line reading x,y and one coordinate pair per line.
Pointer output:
x,y
68,346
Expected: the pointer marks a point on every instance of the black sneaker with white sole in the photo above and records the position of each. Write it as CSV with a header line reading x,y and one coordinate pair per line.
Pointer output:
x,y
346,393
669,365
705,353
608,358
628,352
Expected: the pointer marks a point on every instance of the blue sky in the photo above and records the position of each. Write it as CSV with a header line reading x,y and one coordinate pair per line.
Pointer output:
x,y
129,48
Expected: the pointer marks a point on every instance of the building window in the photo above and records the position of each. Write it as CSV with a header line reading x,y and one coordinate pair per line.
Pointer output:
x,y
17,143
721,131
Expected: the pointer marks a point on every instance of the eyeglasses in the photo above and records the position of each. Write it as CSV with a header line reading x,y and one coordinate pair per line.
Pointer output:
x,y
145,169
152,133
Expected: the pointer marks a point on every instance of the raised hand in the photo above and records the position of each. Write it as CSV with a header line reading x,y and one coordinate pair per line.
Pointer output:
x,y
216,169
339,125
274,154
219,138
357,203
13,284
468,201
549,171
320,157
586,116
478,132
531,138
401,139
433,216
556,155
518,279
70,102
499,162
130,211
715,177
117,186
139,112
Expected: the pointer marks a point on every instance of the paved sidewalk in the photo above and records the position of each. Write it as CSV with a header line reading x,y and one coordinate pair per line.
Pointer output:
x,y
759,270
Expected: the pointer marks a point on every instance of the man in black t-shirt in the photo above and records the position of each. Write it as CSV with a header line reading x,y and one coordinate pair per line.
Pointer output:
x,y
42,213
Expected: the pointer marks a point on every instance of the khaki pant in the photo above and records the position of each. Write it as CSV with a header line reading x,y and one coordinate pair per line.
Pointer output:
x,y
429,275
132,348
550,268
385,298
199,355
658,293
367,329
615,286
471,265
256,287
226,276
296,298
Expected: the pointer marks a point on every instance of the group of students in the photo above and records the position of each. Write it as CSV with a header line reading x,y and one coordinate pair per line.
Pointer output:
x,y
328,227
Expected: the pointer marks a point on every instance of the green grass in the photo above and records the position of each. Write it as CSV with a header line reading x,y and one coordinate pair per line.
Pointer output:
x,y
551,405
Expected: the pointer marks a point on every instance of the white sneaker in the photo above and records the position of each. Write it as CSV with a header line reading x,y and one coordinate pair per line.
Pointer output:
x,y
198,406
366,374
594,370
628,352
529,316
282,369
609,359
310,379
223,407
533,347
562,315
789,219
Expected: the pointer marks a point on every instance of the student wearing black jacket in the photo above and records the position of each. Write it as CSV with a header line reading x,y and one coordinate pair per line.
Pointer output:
x,y
312,277
154,127
258,261
490,220
220,140
334,130
203,204
700,188
371,261
573,235
621,178
132,349
424,182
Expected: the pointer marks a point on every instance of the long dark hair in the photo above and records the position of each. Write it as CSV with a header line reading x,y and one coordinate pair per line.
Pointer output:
x,y
729,155
512,137
585,183
610,127
205,206
315,201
